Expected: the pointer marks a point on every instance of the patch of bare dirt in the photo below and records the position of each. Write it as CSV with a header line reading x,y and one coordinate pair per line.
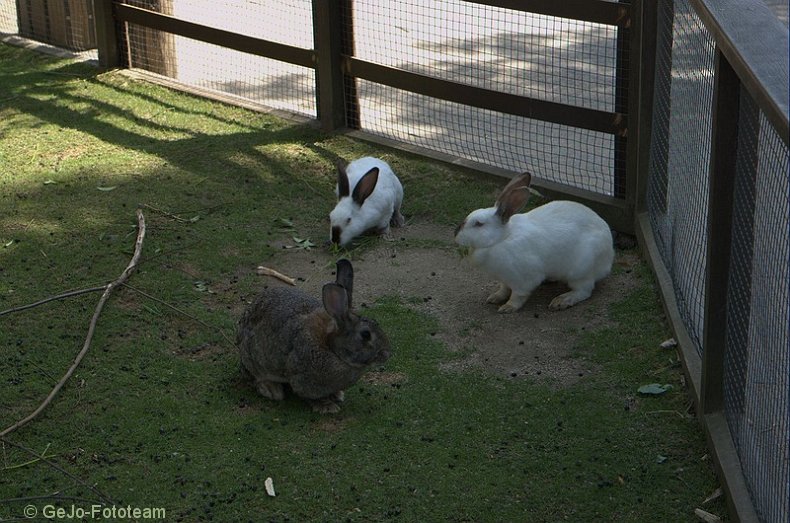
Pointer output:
x,y
421,266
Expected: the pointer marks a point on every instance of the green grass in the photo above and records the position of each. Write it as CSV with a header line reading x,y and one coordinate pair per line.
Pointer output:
x,y
156,415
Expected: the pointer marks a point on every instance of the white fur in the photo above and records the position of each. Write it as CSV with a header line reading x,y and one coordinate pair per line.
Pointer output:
x,y
382,206
561,240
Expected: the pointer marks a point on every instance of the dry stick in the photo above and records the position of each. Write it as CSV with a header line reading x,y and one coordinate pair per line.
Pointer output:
x,y
66,294
138,249
59,469
266,271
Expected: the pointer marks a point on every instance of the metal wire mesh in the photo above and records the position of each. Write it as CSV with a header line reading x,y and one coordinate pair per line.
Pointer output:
x,y
542,57
678,187
758,317
758,320
63,23
207,66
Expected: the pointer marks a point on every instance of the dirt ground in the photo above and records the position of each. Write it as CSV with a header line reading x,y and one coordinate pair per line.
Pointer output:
x,y
420,265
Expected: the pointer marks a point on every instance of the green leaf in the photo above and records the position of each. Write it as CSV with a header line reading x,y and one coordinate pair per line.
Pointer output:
x,y
654,388
8,244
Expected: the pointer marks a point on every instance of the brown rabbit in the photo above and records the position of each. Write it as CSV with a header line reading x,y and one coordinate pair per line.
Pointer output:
x,y
288,337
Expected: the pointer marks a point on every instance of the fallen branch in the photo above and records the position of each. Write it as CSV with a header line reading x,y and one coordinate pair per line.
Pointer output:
x,y
138,249
266,271
67,294
60,469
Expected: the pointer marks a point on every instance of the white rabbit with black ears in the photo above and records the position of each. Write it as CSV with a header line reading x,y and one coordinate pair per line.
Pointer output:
x,y
561,241
369,200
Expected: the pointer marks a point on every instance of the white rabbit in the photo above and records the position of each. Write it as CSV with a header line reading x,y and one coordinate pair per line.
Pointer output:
x,y
369,200
561,240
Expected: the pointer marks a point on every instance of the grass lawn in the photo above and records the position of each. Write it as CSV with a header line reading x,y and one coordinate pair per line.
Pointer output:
x,y
157,415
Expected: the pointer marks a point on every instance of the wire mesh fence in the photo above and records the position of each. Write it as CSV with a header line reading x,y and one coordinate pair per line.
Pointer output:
x,y
537,56
756,359
758,317
66,24
680,154
211,67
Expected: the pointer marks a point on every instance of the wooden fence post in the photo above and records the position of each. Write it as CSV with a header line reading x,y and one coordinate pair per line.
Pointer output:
x,y
724,153
106,34
333,37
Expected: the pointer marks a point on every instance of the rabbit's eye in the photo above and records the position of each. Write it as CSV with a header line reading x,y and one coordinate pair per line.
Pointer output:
x,y
348,220
365,335
477,224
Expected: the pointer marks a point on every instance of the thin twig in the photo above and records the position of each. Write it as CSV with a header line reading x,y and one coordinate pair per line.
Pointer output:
x,y
59,469
67,294
26,463
138,249
184,313
165,213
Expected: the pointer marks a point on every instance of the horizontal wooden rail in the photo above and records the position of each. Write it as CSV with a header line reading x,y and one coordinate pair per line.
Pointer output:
x,y
591,119
248,44
757,46
597,11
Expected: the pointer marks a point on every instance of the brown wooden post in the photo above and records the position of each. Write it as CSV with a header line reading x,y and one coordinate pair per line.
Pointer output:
x,y
647,74
333,37
724,145
150,49
623,75
106,34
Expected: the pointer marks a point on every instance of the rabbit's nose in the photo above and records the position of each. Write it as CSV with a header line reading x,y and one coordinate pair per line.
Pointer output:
x,y
335,234
458,229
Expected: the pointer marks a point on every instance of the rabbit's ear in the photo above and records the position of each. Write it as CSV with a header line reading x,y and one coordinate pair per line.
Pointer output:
x,y
336,302
365,186
514,196
342,179
345,277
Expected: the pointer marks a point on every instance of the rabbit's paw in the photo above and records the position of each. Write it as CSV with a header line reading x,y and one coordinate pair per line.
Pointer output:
x,y
500,295
270,389
569,299
397,219
325,405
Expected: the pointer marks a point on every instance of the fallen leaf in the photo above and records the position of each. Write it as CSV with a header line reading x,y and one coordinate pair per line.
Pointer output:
x,y
654,388
661,459
669,344
269,484
106,189
706,516
303,243
50,182
9,244
714,496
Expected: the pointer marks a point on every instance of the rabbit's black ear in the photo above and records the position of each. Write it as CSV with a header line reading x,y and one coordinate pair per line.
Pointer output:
x,y
342,179
365,186
336,302
345,277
